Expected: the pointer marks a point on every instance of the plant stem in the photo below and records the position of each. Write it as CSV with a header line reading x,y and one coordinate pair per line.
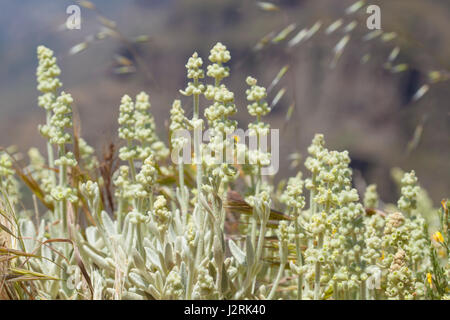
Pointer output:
x,y
51,159
299,257
197,137
62,183
317,271
277,281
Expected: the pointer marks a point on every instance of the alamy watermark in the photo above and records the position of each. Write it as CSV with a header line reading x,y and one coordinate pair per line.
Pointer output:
x,y
73,22
236,148
374,20
374,279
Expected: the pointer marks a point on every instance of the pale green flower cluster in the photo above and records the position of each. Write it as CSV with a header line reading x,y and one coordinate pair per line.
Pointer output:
x,y
40,173
293,195
374,226
258,129
61,120
88,159
410,191
371,197
257,94
47,76
58,107
284,234
418,245
127,129
147,176
161,214
177,122
400,284
220,126
395,232
195,72
205,285
218,56
8,182
146,130
122,183
137,124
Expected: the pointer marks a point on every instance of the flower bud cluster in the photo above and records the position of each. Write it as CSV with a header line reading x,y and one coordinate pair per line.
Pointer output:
x,y
371,197
195,72
258,157
147,176
418,246
122,183
374,226
161,214
60,193
174,288
89,160
59,121
177,122
293,195
400,284
284,234
40,173
218,55
146,130
337,218
47,75
137,123
410,191
257,94
396,231
127,128
217,114
205,283
7,180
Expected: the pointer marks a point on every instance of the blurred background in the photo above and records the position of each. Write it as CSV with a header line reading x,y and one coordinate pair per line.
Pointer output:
x,y
383,97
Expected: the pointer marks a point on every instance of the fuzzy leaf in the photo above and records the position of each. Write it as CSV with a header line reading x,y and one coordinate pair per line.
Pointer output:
x,y
108,224
138,261
168,255
153,257
237,253
250,252
137,280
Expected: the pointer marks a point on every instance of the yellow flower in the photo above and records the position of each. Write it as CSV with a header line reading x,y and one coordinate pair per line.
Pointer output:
x,y
437,236
382,255
429,279
236,138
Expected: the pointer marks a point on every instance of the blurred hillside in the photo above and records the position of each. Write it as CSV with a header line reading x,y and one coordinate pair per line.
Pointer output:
x,y
359,107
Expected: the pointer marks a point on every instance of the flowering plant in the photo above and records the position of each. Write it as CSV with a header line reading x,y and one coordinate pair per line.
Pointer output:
x,y
175,230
